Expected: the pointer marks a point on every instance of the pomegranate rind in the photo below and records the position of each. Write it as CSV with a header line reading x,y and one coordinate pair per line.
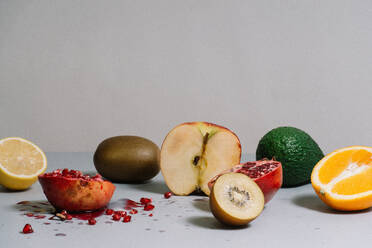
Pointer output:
x,y
76,194
269,183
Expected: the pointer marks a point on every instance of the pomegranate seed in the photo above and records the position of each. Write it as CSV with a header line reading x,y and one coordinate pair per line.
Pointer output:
x,y
116,217
149,207
40,216
92,221
64,212
167,195
65,172
27,229
68,217
120,213
145,201
150,215
30,214
109,211
133,211
123,214
127,218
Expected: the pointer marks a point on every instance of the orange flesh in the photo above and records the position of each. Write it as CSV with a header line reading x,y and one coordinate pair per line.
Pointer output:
x,y
357,183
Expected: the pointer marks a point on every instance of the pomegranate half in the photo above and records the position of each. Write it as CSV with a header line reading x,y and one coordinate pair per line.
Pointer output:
x,y
268,174
72,191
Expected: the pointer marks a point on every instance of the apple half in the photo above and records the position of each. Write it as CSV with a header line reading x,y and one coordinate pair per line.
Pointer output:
x,y
194,152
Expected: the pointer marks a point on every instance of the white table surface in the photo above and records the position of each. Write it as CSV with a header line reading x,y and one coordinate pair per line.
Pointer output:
x,y
294,218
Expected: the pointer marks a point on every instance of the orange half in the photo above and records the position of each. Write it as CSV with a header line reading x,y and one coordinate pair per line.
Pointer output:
x,y
343,178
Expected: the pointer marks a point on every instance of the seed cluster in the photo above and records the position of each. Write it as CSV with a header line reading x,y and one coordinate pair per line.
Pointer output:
x,y
243,196
73,174
254,170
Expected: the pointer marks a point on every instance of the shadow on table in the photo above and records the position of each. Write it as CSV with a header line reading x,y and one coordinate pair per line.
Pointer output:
x,y
312,202
5,190
34,207
150,186
211,223
202,204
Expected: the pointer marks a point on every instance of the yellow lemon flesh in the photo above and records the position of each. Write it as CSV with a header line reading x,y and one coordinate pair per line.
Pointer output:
x,y
21,162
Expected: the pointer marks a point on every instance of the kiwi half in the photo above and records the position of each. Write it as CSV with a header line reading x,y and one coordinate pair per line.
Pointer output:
x,y
236,199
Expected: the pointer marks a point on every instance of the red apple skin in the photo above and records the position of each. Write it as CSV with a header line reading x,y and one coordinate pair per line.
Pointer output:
x,y
76,195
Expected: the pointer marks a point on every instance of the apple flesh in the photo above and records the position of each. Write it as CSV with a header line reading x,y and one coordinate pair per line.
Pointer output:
x,y
193,153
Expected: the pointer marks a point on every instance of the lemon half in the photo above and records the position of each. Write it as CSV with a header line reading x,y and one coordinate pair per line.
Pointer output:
x,y
21,161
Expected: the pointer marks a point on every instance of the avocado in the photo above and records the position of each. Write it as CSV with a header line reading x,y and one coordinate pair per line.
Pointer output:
x,y
295,149
127,159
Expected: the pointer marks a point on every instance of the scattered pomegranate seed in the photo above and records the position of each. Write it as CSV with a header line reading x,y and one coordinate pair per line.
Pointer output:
x,y
133,211
145,201
68,217
40,216
148,207
120,213
127,218
150,215
116,217
27,229
167,195
30,214
92,221
109,211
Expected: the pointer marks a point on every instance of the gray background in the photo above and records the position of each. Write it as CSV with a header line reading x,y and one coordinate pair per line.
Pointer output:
x,y
75,72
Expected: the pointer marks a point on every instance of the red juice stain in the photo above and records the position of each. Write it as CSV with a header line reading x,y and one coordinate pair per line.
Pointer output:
x,y
46,223
40,216
88,215
129,204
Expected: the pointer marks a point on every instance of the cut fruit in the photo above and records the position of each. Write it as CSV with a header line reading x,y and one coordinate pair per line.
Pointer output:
x,y
268,175
236,199
73,191
195,152
21,162
343,178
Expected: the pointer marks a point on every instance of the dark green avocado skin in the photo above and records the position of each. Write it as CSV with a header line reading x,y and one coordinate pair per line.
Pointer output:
x,y
127,159
295,149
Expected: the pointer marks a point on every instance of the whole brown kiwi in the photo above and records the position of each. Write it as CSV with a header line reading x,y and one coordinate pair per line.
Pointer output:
x,y
127,159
